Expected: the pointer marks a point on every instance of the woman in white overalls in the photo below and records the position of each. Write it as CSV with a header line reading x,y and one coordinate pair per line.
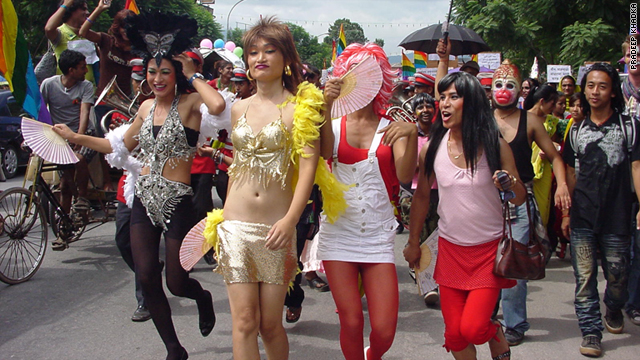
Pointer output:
x,y
371,154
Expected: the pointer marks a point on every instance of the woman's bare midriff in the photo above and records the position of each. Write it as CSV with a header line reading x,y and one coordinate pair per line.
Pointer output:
x,y
181,173
251,202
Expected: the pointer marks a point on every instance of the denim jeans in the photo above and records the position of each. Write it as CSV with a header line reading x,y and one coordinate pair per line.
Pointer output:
x,y
514,300
634,276
614,256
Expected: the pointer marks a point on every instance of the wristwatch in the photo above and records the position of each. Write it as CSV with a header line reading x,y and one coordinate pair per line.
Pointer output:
x,y
195,76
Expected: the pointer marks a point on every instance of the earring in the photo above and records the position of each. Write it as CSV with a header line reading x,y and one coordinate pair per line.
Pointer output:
x,y
287,70
175,89
249,76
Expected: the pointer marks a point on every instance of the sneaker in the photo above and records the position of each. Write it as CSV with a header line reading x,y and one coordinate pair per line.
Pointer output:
x,y
141,314
431,298
514,338
634,316
614,321
591,346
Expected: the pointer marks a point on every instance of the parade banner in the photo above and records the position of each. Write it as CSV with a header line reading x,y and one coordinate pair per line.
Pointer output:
x,y
556,72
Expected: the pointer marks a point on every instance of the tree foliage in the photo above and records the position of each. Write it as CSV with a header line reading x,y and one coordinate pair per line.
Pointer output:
x,y
236,35
33,15
556,31
309,49
352,32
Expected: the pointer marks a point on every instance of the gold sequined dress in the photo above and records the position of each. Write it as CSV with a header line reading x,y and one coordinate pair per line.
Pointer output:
x,y
262,157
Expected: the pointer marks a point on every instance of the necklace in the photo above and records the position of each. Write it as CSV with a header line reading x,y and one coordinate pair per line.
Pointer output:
x,y
509,114
456,157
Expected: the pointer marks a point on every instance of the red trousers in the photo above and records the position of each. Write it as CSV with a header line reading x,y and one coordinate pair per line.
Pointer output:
x,y
467,316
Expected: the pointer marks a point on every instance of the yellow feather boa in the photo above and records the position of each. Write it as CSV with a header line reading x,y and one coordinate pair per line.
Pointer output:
x,y
307,120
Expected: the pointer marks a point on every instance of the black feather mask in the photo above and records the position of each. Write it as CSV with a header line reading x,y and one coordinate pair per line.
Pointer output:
x,y
160,35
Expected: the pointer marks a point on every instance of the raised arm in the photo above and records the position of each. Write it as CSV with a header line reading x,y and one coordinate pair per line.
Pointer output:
x,y
331,92
209,96
51,27
443,66
85,30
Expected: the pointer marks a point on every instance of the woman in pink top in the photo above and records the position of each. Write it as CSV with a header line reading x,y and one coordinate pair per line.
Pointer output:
x,y
464,155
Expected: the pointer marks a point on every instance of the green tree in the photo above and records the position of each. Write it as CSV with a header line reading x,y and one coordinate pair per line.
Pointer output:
x,y
379,41
309,49
235,35
353,32
32,16
556,31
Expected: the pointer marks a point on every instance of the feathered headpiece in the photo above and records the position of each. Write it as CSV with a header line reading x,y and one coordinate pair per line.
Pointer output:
x,y
159,35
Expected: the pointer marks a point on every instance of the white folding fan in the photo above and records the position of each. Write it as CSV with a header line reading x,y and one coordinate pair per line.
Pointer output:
x,y
194,246
359,86
46,143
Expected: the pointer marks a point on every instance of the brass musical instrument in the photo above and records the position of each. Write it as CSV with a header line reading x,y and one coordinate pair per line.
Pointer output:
x,y
401,109
113,96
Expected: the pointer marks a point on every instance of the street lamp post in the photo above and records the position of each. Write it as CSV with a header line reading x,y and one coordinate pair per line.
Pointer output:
x,y
226,35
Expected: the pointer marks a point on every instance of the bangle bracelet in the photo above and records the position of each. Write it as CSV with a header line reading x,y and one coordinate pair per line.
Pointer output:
x,y
195,76
90,21
64,7
565,216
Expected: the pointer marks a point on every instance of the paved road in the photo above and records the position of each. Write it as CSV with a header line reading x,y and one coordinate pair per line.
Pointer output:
x,y
78,306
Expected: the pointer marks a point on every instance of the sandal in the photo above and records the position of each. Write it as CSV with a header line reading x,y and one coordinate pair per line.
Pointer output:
x,y
318,284
293,314
81,204
59,244
506,354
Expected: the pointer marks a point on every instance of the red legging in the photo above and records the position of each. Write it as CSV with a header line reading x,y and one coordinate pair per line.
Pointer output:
x,y
467,316
380,284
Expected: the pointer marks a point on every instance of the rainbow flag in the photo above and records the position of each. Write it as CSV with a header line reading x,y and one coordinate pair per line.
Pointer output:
x,y
342,41
333,51
17,67
420,59
131,5
407,67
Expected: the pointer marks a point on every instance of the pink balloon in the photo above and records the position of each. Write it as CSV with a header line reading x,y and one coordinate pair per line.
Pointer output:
x,y
230,45
206,43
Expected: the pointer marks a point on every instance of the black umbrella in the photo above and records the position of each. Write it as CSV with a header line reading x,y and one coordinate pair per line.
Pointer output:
x,y
464,41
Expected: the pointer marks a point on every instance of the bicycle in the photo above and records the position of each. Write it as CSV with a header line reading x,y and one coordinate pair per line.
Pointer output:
x,y
24,215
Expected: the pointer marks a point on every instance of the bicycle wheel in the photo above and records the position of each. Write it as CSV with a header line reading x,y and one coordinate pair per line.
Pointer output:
x,y
23,239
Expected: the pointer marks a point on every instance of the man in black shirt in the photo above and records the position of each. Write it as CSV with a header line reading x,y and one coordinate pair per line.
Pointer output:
x,y
599,170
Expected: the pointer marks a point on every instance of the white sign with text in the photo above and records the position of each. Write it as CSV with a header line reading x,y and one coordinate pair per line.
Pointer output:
x,y
489,60
556,72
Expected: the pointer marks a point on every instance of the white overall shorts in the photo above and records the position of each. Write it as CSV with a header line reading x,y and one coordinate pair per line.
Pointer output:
x,y
365,233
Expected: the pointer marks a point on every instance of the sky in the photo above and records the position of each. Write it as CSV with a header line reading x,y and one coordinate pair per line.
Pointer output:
x,y
391,20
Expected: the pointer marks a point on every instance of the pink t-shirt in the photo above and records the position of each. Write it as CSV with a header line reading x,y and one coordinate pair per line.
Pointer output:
x,y
470,209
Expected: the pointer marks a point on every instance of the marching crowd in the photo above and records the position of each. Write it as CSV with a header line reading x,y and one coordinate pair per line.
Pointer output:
x,y
562,158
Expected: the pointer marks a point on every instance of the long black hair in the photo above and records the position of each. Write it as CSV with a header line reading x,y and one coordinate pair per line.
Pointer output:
x,y
479,128
544,92
617,102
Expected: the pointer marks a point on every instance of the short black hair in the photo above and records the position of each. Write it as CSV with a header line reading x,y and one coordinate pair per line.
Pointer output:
x,y
77,4
544,92
70,59
422,98
617,102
